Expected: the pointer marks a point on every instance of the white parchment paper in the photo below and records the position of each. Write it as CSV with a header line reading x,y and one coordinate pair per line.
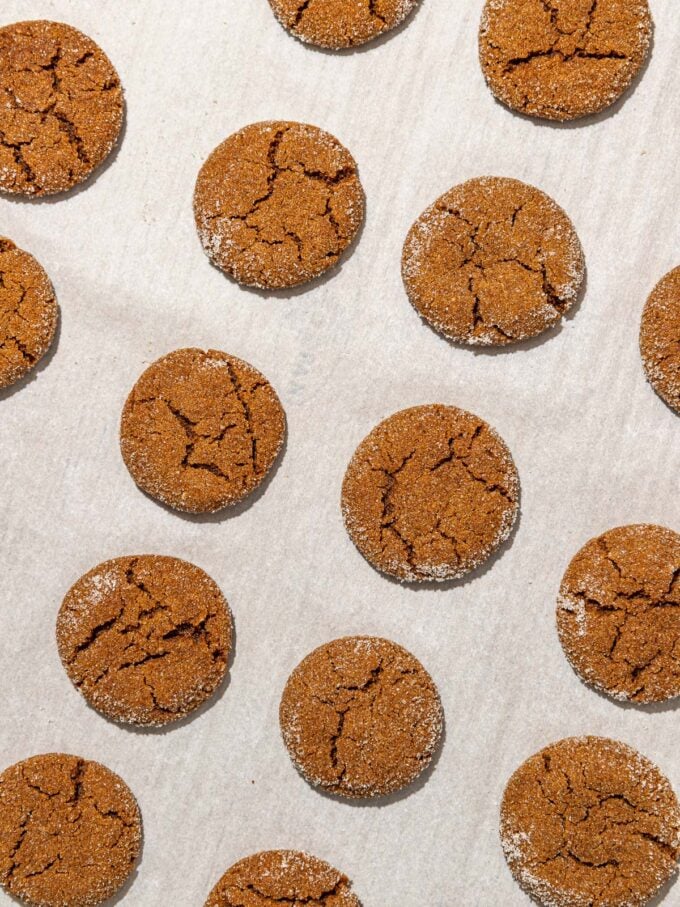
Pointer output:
x,y
594,446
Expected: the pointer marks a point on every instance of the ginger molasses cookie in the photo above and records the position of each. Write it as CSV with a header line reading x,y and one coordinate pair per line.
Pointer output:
x,y
660,339
589,822
282,877
61,107
146,639
563,59
618,613
28,312
340,23
70,831
361,717
201,429
492,261
277,203
430,493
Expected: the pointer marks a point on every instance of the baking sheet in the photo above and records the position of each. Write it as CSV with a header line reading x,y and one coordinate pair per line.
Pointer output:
x,y
594,446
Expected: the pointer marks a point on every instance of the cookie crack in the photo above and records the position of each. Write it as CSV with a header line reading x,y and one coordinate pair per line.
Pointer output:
x,y
321,898
301,10
241,397
359,691
275,172
373,11
387,520
561,811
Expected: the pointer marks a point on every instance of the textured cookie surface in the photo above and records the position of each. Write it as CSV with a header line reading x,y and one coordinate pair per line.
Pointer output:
x,y
430,493
28,312
201,429
660,339
589,822
277,203
563,59
618,613
61,107
145,639
70,831
360,717
276,877
491,262
340,23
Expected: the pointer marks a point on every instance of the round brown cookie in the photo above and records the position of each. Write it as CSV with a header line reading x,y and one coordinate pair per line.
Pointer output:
x,y
70,831
28,312
61,107
277,203
563,59
361,717
275,877
589,822
430,493
660,339
492,261
145,639
201,429
340,23
618,613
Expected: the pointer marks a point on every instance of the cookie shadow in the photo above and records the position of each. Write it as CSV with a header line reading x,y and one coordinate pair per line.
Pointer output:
x,y
664,892
650,708
530,343
98,171
309,285
29,377
656,901
210,702
602,115
368,46
389,799
235,510
477,573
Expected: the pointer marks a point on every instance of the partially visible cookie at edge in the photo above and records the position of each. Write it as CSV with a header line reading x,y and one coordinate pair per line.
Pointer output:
x,y
660,339
590,822
28,312
337,24
201,429
277,204
563,60
70,831
430,494
618,613
61,107
492,262
282,876
361,717
145,638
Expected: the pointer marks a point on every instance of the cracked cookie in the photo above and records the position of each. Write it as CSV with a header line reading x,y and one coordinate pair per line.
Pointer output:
x,y
28,312
70,831
660,339
563,59
340,23
430,494
493,261
589,822
61,107
360,717
201,430
282,876
618,613
277,203
145,639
